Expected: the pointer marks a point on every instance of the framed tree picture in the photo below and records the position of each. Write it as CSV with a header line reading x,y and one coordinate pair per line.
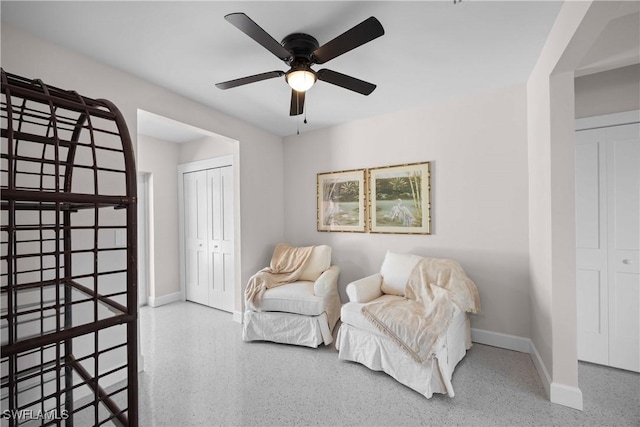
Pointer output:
x,y
399,199
342,201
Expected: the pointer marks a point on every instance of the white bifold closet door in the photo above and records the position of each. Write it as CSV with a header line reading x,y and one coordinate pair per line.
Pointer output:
x,y
208,233
608,243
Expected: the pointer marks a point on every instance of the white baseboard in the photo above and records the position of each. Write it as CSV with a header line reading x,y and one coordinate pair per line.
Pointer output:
x,y
496,339
542,370
165,299
558,393
237,316
566,395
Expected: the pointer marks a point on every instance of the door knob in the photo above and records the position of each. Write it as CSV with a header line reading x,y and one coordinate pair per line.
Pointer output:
x,y
627,261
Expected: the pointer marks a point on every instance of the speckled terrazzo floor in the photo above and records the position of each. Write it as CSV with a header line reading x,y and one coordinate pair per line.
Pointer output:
x,y
199,372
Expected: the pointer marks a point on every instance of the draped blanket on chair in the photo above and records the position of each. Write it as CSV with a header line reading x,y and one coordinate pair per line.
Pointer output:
x,y
287,264
417,323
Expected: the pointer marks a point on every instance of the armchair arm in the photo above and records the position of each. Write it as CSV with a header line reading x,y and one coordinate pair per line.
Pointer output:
x,y
366,289
327,281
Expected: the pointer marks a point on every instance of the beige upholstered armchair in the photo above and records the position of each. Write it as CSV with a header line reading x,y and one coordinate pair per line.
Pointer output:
x,y
362,340
303,312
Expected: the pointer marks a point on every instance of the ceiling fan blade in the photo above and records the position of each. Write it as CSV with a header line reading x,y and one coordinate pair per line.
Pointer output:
x,y
297,103
345,81
249,79
362,33
253,30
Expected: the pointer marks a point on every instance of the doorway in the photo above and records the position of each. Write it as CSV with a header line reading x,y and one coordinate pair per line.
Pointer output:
x,y
163,145
143,238
608,239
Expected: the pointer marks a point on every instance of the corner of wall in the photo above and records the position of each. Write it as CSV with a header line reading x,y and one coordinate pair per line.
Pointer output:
x,y
558,393
541,368
166,299
566,395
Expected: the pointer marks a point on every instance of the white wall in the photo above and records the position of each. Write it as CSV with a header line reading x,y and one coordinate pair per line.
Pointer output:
x,y
613,91
551,111
478,149
159,158
205,148
544,253
260,153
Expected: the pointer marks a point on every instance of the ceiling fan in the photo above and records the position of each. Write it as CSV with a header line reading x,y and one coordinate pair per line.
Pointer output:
x,y
300,51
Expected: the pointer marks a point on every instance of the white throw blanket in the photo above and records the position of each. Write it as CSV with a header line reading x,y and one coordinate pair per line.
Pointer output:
x,y
286,266
417,323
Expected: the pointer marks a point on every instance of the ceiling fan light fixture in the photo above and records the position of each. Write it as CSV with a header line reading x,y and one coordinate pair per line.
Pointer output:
x,y
301,80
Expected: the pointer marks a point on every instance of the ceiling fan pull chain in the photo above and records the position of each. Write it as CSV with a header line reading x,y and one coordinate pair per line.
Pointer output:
x,y
305,112
298,109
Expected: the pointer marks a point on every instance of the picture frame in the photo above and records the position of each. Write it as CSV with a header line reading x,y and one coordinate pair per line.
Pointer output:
x,y
341,201
399,199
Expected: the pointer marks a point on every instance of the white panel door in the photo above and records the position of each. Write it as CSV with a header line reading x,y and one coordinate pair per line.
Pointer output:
x,y
195,235
607,245
623,166
220,237
592,292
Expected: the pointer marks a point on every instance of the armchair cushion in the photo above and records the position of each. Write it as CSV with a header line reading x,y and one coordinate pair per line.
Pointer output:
x,y
396,269
318,262
351,314
295,297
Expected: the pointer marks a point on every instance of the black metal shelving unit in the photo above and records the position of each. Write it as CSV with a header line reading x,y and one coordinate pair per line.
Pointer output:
x,y
68,259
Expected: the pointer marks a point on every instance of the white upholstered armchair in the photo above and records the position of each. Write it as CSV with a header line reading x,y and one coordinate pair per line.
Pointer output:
x,y
303,312
359,339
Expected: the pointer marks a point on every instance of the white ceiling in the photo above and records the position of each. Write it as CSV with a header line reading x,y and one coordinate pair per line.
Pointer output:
x,y
618,44
431,50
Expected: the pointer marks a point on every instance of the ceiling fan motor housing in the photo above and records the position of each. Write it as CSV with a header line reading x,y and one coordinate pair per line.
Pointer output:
x,y
301,45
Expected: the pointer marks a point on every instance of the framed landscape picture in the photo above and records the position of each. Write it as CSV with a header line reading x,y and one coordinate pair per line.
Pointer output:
x,y
341,201
399,199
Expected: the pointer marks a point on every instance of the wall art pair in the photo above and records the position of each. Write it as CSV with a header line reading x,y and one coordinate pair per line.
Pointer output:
x,y
390,199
